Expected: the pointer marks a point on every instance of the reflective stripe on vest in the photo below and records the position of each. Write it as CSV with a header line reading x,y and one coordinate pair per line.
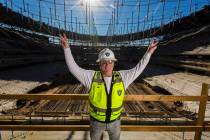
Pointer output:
x,y
96,109
103,106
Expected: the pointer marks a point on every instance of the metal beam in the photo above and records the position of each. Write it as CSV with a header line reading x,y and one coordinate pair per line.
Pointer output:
x,y
86,128
85,121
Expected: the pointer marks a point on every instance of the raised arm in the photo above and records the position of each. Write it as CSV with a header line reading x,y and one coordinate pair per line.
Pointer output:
x,y
83,75
128,76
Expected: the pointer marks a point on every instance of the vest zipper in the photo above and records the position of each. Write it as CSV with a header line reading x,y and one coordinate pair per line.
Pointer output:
x,y
109,99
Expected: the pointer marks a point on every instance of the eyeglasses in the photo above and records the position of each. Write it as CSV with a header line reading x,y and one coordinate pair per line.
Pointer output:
x,y
103,62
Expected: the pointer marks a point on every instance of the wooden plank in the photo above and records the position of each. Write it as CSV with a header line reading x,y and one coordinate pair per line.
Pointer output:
x,y
162,98
201,112
45,96
86,128
85,97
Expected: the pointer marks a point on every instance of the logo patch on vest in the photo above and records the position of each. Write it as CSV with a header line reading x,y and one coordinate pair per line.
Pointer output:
x,y
119,92
107,54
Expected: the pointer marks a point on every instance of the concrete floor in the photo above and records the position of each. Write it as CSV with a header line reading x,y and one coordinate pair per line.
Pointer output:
x,y
32,75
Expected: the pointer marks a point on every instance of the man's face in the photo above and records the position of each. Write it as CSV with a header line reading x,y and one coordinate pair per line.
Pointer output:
x,y
106,67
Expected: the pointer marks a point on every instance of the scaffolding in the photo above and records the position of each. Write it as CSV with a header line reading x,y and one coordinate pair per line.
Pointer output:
x,y
140,23
198,126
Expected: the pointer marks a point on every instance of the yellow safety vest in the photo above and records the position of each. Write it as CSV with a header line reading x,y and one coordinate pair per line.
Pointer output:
x,y
106,107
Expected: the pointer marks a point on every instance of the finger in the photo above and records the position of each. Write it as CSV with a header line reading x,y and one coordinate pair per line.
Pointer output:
x,y
61,37
151,43
64,35
156,43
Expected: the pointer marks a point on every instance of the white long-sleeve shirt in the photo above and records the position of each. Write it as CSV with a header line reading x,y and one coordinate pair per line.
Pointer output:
x,y
86,76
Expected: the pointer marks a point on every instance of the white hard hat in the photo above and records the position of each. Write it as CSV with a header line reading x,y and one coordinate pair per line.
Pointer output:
x,y
106,54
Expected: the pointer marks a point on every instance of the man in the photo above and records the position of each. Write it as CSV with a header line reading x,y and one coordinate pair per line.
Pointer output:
x,y
106,88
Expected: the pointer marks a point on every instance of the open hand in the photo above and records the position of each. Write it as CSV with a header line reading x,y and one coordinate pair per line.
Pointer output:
x,y
153,46
64,41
